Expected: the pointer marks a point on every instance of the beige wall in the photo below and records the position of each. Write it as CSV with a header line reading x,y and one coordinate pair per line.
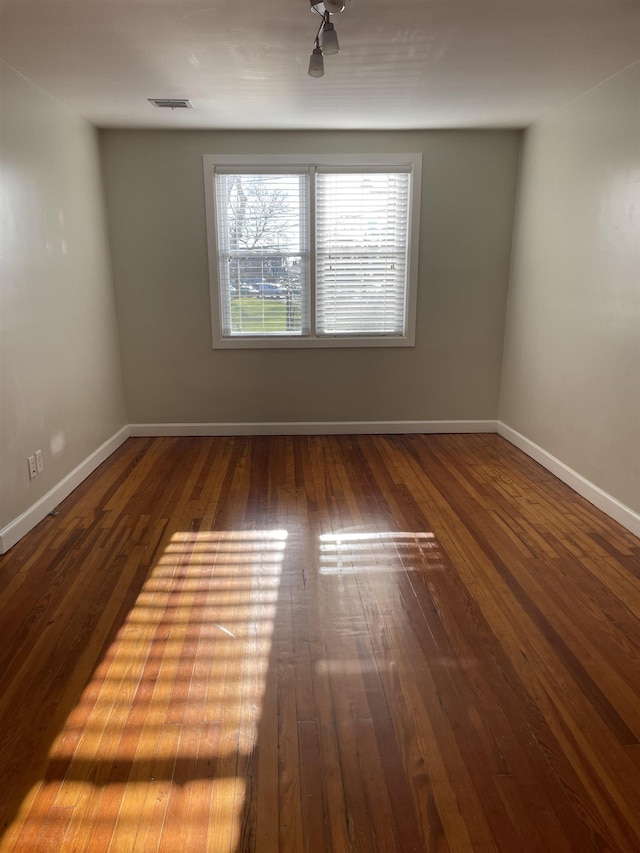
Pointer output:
x,y
571,376
60,378
155,198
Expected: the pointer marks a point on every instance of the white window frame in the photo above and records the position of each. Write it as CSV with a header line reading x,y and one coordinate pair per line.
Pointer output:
x,y
271,162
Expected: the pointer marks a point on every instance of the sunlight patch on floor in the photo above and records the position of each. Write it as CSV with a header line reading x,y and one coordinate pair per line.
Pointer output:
x,y
171,713
378,551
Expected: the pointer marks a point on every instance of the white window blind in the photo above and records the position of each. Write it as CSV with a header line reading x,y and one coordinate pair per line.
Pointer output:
x,y
263,253
362,221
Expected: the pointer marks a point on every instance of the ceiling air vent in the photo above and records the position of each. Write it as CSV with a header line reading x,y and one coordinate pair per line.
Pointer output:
x,y
171,103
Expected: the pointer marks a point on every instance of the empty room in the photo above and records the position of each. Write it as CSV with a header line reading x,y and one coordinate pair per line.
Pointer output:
x,y
320,426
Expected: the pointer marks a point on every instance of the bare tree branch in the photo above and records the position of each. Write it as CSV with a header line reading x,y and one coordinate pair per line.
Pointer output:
x,y
259,215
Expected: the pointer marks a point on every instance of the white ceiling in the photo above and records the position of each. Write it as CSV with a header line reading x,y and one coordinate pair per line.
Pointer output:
x,y
243,63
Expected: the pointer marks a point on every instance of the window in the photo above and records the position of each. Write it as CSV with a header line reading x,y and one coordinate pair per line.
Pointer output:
x,y
316,251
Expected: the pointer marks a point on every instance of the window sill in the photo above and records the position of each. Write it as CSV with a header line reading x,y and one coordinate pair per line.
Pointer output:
x,y
289,342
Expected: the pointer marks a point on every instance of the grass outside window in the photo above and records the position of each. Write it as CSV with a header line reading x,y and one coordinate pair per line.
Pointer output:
x,y
250,314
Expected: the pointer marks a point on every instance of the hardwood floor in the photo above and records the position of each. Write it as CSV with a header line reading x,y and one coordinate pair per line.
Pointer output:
x,y
321,644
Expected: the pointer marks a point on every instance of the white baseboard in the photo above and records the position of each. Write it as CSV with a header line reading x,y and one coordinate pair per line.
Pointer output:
x,y
16,529
595,495
314,428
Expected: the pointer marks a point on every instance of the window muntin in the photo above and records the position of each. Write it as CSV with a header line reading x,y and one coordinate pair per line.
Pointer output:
x,y
336,265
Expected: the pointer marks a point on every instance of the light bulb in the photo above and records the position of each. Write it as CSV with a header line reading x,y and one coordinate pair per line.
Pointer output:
x,y
316,63
330,40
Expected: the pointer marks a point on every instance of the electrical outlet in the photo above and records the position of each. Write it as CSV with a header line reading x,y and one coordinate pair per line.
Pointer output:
x,y
39,462
32,467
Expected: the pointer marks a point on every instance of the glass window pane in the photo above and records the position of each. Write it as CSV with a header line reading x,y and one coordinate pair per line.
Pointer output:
x,y
263,253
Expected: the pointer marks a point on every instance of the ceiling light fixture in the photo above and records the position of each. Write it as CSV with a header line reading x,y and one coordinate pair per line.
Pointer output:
x,y
316,62
330,44
330,6
326,41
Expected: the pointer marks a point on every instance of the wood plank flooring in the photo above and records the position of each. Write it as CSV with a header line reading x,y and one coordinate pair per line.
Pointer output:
x,y
408,643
